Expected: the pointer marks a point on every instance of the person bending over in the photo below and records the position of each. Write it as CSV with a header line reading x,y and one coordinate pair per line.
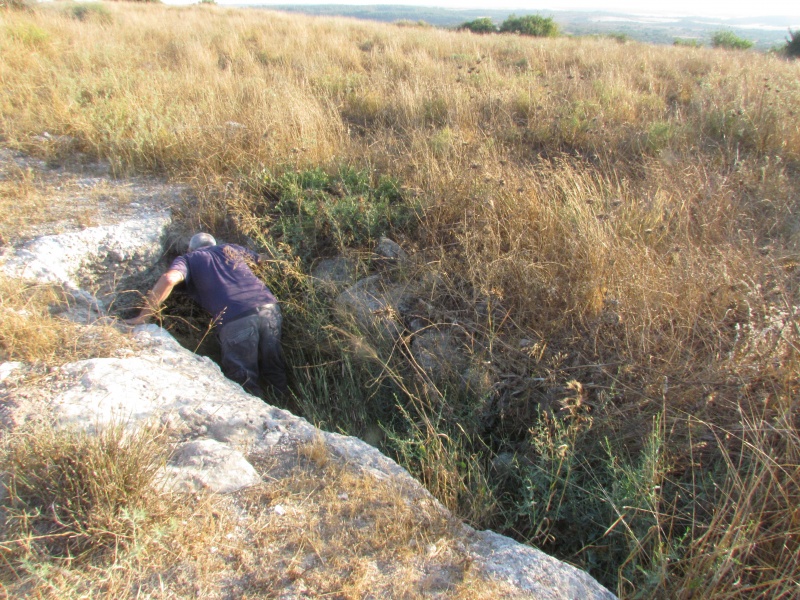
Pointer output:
x,y
246,314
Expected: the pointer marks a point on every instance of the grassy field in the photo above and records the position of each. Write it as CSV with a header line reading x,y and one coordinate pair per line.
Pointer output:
x,y
612,229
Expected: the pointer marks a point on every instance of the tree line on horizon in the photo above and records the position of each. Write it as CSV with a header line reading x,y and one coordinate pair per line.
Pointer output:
x,y
539,26
532,25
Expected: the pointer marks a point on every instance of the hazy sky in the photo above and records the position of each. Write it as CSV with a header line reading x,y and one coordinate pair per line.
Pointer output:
x,y
717,8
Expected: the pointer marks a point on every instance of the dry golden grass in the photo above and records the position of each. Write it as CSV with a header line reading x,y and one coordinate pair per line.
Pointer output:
x,y
325,528
83,513
28,204
82,516
632,210
29,332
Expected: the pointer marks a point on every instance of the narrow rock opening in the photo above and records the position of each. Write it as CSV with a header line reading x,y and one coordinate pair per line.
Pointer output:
x,y
123,288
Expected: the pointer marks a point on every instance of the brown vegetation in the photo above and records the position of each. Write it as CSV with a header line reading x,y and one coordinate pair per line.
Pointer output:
x,y
86,514
30,332
630,210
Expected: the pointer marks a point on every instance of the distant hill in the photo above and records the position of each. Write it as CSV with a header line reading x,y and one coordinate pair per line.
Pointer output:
x,y
765,32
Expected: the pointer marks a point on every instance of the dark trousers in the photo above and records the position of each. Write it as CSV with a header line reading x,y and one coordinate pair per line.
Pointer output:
x,y
251,347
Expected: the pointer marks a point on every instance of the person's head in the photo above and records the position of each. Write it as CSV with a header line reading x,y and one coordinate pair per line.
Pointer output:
x,y
201,240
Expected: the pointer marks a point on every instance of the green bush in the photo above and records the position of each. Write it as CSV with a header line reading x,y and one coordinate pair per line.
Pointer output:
x,y
620,38
28,34
597,504
482,25
319,214
534,25
409,23
729,40
86,11
793,44
688,43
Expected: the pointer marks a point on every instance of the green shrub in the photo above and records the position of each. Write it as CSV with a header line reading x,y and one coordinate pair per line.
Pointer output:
x,y
318,214
481,25
86,11
27,34
534,25
621,38
729,40
688,43
409,23
595,502
793,44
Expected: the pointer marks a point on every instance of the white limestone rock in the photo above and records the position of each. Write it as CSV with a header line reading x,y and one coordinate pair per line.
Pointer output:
x,y
60,258
530,570
9,368
208,465
169,384
165,382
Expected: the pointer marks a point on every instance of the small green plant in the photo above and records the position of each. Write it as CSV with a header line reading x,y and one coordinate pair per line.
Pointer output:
x,y
441,142
687,43
729,40
658,136
481,25
86,11
793,44
317,214
27,34
533,25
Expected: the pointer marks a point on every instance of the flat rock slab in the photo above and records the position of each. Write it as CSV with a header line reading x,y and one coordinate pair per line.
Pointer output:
x,y
60,258
167,383
209,465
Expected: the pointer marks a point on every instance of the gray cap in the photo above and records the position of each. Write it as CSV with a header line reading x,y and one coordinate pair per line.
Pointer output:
x,y
201,240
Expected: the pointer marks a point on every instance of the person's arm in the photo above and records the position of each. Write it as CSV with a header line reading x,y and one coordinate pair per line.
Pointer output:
x,y
160,292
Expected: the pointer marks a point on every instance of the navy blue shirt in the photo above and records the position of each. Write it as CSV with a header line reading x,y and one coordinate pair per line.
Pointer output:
x,y
218,278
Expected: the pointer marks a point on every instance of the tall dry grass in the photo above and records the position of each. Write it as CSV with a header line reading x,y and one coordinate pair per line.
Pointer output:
x,y
630,210
88,514
30,332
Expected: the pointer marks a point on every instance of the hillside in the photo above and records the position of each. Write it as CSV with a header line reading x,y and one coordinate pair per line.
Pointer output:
x,y
589,341
766,32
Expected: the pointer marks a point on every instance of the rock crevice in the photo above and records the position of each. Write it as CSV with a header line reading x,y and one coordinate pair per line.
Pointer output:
x,y
214,423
